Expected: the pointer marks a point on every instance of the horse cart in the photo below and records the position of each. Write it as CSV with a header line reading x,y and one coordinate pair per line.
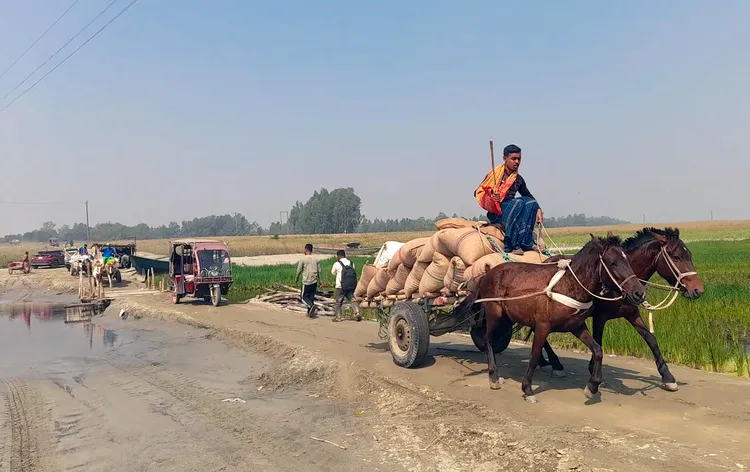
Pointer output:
x,y
408,324
200,269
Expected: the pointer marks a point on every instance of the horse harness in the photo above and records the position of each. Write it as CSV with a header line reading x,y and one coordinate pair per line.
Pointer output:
x,y
563,265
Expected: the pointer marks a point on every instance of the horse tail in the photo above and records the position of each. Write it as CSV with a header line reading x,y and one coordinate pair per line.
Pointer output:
x,y
465,307
528,335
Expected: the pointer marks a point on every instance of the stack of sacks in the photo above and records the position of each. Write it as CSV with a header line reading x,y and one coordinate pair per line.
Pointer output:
x,y
401,265
458,255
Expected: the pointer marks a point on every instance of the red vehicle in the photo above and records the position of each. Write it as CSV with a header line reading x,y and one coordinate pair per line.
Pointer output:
x,y
48,259
200,269
22,266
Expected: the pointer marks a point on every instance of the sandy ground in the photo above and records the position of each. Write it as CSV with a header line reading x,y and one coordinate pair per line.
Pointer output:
x,y
444,416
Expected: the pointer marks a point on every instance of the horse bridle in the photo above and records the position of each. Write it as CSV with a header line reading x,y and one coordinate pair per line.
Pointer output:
x,y
673,268
611,276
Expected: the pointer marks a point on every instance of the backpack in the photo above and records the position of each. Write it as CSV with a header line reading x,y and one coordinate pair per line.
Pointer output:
x,y
348,277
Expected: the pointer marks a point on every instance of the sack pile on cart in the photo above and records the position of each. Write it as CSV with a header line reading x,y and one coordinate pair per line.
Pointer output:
x,y
450,262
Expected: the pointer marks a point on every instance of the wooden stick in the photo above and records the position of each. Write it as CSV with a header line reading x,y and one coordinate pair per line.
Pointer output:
x,y
327,442
492,157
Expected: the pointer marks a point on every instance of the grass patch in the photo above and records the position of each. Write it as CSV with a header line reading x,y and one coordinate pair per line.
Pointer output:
x,y
252,281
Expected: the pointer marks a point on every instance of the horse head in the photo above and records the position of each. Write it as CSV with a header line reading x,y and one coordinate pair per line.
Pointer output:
x,y
615,272
675,263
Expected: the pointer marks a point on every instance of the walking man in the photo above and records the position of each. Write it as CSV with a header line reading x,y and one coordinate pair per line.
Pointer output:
x,y
346,281
309,269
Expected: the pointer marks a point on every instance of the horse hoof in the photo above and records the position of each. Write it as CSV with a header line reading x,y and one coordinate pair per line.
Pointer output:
x,y
531,398
496,385
588,393
670,386
558,373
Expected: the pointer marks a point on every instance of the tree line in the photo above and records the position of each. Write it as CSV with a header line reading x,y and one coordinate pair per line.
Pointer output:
x,y
334,212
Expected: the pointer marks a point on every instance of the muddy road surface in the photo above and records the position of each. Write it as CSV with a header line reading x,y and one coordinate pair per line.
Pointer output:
x,y
102,394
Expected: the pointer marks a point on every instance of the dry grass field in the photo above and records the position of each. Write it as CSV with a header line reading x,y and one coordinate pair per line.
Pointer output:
x,y
270,245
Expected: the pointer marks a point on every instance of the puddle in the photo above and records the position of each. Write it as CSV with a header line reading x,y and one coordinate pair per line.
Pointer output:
x,y
33,333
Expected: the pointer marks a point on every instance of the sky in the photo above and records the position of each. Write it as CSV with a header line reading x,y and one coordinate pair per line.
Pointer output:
x,y
185,108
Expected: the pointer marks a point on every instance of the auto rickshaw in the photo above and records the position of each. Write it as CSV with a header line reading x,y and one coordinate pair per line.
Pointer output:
x,y
200,268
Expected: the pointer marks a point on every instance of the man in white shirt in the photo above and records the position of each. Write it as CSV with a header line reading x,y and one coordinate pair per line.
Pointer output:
x,y
346,281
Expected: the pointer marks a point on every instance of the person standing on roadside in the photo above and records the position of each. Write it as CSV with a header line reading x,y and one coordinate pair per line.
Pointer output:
x,y
346,281
309,268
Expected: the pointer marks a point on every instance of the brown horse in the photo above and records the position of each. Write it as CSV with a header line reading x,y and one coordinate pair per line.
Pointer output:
x,y
523,293
650,251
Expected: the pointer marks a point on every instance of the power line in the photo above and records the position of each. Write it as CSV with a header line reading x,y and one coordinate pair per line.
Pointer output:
x,y
38,39
38,203
58,51
5,107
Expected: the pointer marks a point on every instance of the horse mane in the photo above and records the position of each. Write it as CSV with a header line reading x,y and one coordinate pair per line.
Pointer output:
x,y
646,235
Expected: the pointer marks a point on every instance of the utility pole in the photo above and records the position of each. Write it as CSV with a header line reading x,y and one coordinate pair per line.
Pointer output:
x,y
87,221
712,215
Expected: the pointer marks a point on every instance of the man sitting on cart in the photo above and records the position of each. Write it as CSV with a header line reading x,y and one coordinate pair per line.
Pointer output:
x,y
517,216
108,256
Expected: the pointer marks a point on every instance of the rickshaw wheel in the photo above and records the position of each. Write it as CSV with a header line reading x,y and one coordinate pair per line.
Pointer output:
x,y
216,296
175,298
10,270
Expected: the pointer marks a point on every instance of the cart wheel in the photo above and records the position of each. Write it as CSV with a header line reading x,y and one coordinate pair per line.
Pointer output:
x,y
175,298
10,270
216,295
408,334
118,277
499,343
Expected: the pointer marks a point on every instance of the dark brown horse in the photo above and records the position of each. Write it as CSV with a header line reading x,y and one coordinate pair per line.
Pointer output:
x,y
650,251
525,294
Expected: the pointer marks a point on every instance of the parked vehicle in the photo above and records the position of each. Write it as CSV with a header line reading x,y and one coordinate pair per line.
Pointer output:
x,y
54,242
70,253
54,258
201,269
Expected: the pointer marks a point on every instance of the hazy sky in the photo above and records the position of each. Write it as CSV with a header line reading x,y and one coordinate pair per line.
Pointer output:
x,y
187,108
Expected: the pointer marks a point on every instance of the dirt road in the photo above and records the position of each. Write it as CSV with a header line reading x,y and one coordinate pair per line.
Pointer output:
x,y
444,416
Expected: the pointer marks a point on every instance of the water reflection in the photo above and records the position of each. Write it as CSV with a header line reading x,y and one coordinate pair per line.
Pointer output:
x,y
71,315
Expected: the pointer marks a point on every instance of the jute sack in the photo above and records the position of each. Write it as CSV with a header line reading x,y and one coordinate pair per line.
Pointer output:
x,y
378,283
474,273
455,275
407,255
496,232
432,279
425,252
368,272
531,257
412,282
467,243
396,284
448,223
